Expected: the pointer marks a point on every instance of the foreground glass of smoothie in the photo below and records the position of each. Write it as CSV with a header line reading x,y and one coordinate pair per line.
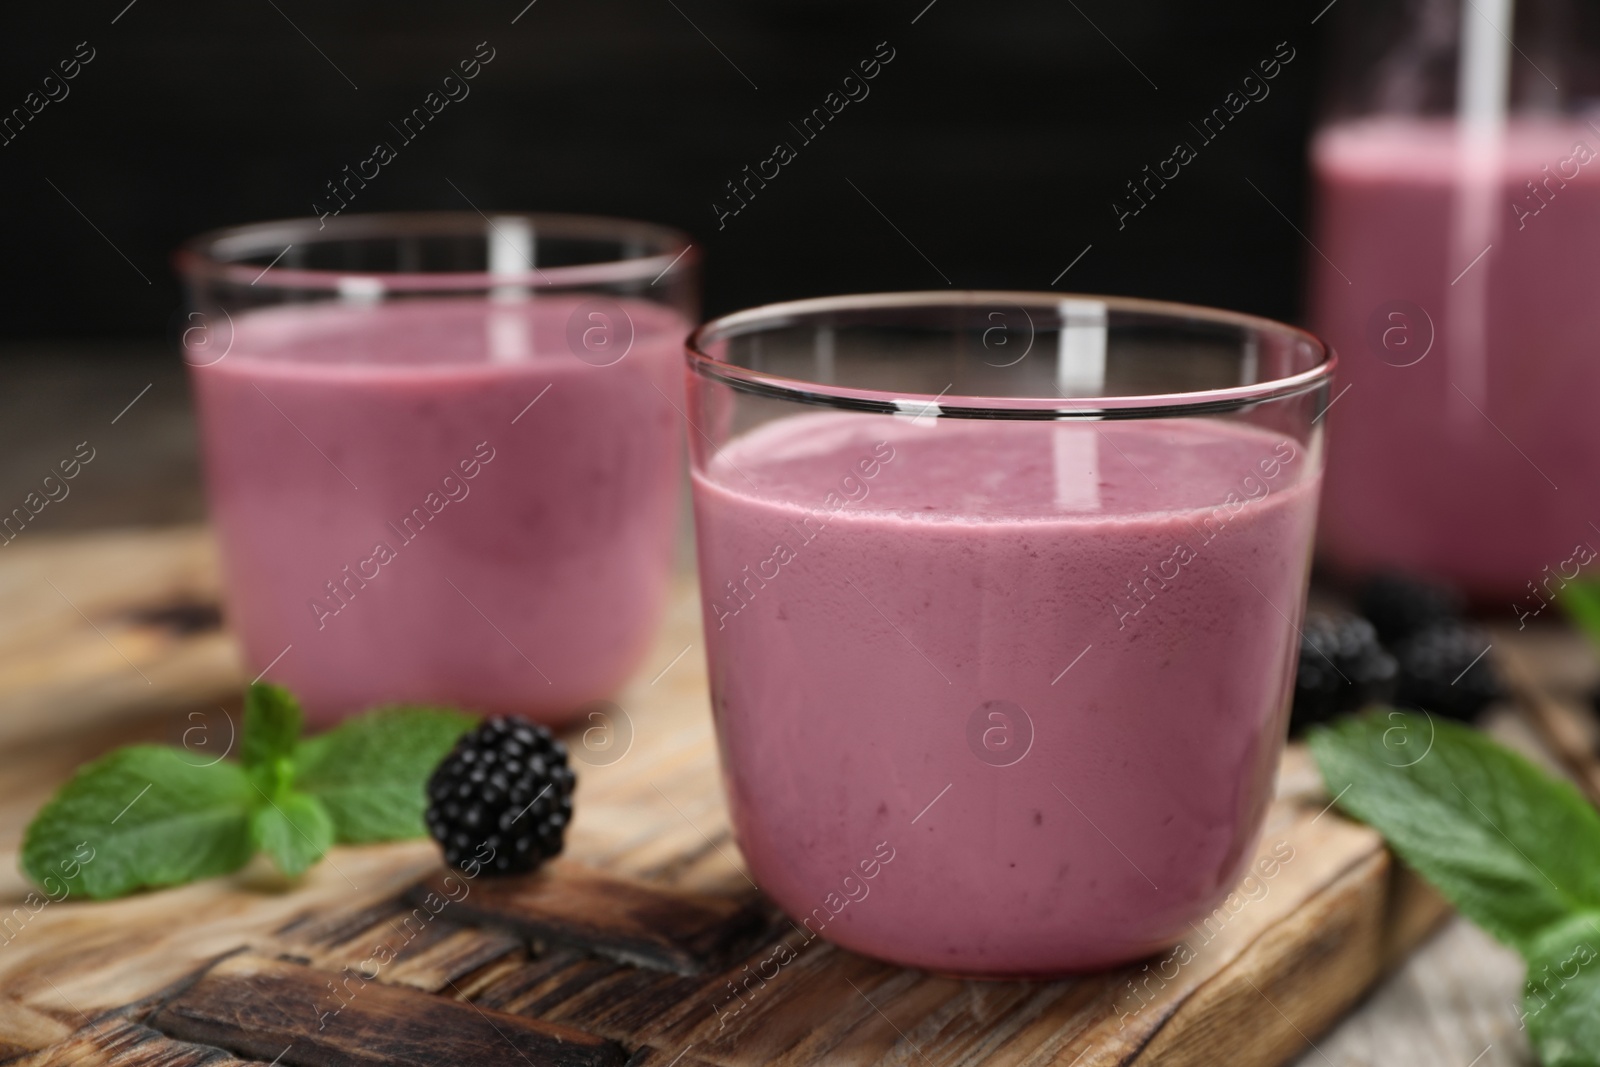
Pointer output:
x,y
442,451
1000,595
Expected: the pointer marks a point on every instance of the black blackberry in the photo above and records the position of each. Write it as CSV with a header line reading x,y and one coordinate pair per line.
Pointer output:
x,y
1400,605
1443,669
502,798
1342,668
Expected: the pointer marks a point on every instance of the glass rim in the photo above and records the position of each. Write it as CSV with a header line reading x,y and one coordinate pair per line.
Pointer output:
x,y
945,405
204,256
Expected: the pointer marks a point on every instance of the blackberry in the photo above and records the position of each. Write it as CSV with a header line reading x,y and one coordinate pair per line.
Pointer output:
x,y
1342,668
1443,669
1400,605
502,798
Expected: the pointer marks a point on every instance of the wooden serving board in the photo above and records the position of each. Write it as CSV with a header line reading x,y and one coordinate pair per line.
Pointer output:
x,y
625,951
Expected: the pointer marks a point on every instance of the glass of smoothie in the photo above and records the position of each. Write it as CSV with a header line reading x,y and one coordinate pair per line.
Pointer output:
x,y
1457,262
442,451
1000,597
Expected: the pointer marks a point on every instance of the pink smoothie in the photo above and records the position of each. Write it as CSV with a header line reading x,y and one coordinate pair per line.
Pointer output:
x,y
1475,463
393,512
1117,593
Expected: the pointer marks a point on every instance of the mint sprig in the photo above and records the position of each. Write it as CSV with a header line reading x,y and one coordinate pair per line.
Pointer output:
x,y
1561,1001
369,772
1515,850
294,830
272,724
142,816
150,815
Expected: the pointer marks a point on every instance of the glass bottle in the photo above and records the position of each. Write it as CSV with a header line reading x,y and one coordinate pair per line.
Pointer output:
x,y
1456,271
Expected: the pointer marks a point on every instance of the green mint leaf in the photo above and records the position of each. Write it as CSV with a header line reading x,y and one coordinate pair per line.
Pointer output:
x,y
272,724
142,816
1515,850
294,830
1581,601
1561,999
370,772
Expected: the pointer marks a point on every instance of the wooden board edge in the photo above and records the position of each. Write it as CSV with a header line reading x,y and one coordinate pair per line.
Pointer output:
x,y
1349,935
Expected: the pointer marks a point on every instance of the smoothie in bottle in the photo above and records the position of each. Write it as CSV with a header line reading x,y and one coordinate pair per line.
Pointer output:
x,y
1457,232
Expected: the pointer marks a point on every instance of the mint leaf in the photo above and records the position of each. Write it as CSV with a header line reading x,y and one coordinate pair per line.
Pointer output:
x,y
1581,601
1517,851
272,724
370,772
1561,999
149,816
294,830
142,816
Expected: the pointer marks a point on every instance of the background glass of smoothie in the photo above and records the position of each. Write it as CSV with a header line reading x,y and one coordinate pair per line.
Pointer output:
x,y
1457,273
1000,596
442,451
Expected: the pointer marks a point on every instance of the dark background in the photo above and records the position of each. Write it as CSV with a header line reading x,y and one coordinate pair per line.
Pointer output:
x,y
995,140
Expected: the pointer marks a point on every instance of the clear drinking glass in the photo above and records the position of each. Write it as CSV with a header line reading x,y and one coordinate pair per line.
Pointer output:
x,y
442,451
1457,197
1000,596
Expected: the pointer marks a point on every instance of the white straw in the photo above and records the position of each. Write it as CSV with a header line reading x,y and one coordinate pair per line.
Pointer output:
x,y
1482,100
511,252
1481,78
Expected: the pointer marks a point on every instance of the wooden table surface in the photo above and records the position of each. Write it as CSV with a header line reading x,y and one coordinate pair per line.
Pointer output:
x,y
1451,1004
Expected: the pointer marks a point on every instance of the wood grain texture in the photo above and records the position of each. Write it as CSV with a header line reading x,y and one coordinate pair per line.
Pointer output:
x,y
1453,1003
112,1042
304,1017
1274,966
425,950
626,919
23,1029
99,626
1565,726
